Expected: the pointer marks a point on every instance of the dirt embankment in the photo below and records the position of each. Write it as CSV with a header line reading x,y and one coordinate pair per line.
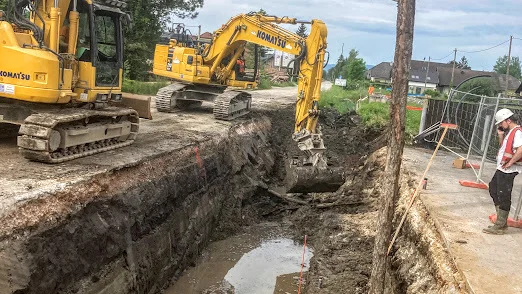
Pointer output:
x,y
138,227
343,234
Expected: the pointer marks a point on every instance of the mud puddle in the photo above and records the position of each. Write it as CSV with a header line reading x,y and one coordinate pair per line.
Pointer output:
x,y
262,259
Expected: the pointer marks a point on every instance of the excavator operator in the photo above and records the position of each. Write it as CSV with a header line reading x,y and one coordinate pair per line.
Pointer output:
x,y
64,36
240,67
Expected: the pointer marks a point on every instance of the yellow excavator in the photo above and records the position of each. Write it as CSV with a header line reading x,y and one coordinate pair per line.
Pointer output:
x,y
203,72
61,75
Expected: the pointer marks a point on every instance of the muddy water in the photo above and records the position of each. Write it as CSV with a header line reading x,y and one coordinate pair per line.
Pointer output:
x,y
261,260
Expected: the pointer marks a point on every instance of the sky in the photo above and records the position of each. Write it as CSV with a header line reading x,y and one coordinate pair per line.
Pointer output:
x,y
369,26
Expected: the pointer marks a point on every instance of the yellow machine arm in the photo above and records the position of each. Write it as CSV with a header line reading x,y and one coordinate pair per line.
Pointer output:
x,y
262,30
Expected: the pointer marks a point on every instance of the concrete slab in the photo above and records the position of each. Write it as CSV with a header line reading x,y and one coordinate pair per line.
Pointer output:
x,y
490,263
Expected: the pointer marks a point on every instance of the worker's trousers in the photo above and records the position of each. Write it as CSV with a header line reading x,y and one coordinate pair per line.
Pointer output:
x,y
500,189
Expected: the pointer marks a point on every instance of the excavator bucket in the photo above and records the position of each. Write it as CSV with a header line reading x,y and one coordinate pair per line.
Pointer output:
x,y
139,103
313,179
312,174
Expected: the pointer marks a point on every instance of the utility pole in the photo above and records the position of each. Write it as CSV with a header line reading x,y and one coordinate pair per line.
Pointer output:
x,y
427,73
390,182
425,104
453,70
508,63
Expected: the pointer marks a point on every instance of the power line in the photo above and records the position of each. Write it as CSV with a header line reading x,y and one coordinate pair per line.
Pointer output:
x,y
436,59
484,49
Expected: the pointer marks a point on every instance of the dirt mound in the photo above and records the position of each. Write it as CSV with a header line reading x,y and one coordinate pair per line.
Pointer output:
x,y
345,138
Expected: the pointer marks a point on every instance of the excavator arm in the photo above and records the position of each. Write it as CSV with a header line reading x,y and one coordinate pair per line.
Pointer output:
x,y
309,174
231,39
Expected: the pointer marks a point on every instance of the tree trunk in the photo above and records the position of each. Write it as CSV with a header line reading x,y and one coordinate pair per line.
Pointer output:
x,y
390,183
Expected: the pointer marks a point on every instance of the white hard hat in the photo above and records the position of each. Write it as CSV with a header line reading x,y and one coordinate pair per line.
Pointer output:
x,y
502,115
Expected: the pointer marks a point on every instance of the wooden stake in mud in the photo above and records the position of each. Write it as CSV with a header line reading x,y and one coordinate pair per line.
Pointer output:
x,y
302,266
390,183
419,186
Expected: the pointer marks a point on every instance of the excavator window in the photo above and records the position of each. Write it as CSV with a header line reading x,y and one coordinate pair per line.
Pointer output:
x,y
106,35
109,48
83,52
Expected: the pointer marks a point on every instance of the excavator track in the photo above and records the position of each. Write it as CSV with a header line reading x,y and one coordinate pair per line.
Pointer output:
x,y
164,97
58,136
232,104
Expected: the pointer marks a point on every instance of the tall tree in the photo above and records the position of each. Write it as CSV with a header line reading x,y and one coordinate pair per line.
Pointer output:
x,y
352,55
301,31
149,20
514,67
463,63
355,70
390,183
354,67
337,69
3,5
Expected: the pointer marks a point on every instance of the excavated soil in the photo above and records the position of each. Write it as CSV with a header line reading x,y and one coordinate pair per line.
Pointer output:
x,y
139,227
342,231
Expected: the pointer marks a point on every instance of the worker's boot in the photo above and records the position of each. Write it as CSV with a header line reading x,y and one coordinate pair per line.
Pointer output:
x,y
500,226
496,208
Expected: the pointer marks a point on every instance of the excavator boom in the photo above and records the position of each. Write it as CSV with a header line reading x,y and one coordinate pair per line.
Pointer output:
x,y
197,69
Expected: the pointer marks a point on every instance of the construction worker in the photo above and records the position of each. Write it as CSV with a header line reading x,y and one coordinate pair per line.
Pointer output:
x,y
64,37
240,66
509,158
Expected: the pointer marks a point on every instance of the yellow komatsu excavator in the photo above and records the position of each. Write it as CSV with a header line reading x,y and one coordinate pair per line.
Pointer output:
x,y
203,73
60,77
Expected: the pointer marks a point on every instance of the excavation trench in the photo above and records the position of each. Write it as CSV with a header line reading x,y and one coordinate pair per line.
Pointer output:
x,y
145,227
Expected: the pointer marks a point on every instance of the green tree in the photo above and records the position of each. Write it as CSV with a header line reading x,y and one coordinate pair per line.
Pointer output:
x,y
301,31
463,63
354,67
355,70
479,86
514,67
3,5
336,71
352,55
149,20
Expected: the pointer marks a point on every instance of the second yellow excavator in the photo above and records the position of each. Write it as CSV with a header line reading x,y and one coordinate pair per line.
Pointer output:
x,y
202,72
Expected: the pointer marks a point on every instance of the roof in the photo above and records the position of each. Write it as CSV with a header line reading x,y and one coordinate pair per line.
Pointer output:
x,y
381,70
463,74
440,73
519,89
460,75
419,75
422,65
206,35
514,84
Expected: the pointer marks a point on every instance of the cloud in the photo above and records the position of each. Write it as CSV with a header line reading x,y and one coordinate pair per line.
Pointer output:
x,y
370,25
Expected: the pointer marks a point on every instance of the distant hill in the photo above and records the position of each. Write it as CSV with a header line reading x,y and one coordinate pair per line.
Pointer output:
x,y
328,66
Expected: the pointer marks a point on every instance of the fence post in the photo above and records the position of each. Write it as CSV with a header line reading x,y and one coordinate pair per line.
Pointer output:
x,y
489,131
423,115
479,112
